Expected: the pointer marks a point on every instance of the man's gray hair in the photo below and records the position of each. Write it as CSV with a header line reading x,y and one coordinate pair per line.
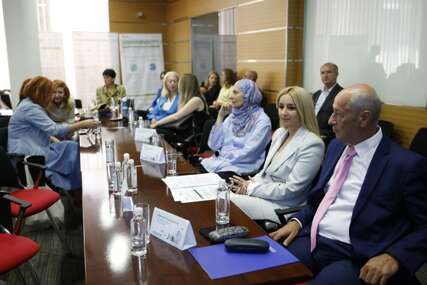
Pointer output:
x,y
362,99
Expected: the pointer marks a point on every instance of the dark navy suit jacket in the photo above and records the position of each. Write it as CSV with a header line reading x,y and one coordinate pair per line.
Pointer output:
x,y
390,214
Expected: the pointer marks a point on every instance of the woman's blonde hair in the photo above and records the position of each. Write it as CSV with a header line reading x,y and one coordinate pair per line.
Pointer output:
x,y
188,87
304,105
68,103
39,89
169,74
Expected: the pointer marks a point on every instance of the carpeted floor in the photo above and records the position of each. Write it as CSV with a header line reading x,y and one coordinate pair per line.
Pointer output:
x,y
52,265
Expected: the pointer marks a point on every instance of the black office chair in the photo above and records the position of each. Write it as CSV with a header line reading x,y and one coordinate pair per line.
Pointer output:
x,y
5,97
419,142
283,214
4,121
386,127
271,111
78,103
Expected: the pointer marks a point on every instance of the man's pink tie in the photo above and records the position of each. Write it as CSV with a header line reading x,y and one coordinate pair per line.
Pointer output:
x,y
332,193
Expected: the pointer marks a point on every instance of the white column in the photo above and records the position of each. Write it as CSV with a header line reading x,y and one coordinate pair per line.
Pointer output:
x,y
22,40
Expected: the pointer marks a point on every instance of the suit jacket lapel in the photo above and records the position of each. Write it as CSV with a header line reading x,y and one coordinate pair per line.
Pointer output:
x,y
376,167
291,147
273,149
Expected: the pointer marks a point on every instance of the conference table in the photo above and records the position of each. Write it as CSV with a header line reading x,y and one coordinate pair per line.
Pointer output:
x,y
106,229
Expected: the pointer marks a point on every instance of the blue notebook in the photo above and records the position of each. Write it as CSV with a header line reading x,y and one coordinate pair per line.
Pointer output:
x,y
219,263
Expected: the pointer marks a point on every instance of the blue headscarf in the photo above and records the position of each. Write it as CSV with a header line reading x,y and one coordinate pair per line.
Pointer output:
x,y
244,117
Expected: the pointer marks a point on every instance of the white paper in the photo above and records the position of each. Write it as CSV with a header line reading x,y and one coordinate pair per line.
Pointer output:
x,y
145,135
194,194
6,112
172,229
186,181
152,153
153,169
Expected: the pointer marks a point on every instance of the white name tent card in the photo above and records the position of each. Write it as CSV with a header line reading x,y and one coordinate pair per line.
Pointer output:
x,y
145,135
172,229
152,153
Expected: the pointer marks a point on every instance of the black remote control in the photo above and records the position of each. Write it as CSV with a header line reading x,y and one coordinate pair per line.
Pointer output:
x,y
223,234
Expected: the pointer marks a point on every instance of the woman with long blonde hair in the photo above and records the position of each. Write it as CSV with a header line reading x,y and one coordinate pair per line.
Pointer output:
x,y
293,160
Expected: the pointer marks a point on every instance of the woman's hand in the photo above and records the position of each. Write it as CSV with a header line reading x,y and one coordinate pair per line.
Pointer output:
x,y
224,111
90,124
154,124
240,185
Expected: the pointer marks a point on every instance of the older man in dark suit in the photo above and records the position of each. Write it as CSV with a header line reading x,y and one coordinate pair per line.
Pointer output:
x,y
366,218
324,98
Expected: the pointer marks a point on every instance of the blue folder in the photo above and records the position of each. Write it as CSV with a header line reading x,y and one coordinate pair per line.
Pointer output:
x,y
219,263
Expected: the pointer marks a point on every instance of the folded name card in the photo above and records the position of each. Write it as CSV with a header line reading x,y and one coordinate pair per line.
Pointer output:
x,y
172,229
152,153
147,136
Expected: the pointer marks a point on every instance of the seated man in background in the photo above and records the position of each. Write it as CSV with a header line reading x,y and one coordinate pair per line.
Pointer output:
x,y
324,98
110,91
253,75
366,219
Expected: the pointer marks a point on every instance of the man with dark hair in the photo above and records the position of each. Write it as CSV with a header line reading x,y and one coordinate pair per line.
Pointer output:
x,y
324,98
365,221
110,91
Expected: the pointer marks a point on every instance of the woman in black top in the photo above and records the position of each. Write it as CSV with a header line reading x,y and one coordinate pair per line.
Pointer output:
x,y
211,89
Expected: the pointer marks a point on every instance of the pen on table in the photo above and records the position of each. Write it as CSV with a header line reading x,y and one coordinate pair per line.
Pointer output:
x,y
198,194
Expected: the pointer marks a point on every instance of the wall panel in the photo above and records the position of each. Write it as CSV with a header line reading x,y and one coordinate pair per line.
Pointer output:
x,y
261,15
406,120
270,45
270,74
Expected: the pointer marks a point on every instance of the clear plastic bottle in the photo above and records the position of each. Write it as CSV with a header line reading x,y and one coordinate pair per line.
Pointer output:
x,y
124,107
110,151
117,177
137,233
140,122
132,179
131,116
125,172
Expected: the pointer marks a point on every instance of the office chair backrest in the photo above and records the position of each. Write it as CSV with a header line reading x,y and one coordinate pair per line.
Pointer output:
x,y
419,142
386,128
3,138
5,97
8,176
271,111
78,103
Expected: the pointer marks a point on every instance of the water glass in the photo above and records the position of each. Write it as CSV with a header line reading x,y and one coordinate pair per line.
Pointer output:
x,y
222,205
146,215
171,157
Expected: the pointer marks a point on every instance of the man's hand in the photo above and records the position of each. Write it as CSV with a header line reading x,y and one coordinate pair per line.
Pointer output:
x,y
379,269
290,230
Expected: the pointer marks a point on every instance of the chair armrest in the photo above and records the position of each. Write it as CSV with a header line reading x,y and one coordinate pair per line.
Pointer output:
x,y
23,206
22,203
40,166
281,213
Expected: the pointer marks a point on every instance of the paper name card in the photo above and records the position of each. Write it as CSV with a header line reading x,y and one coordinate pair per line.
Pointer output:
x,y
172,229
145,135
152,153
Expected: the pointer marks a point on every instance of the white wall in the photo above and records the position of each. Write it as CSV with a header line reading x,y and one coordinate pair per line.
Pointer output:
x,y
381,42
4,65
20,21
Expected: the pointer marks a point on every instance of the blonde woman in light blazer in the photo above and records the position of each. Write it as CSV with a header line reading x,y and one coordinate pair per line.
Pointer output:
x,y
293,160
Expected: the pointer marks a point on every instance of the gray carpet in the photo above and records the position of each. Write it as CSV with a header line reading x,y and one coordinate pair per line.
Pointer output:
x,y
52,265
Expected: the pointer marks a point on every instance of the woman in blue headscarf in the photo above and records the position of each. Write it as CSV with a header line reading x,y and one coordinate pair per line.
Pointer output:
x,y
240,140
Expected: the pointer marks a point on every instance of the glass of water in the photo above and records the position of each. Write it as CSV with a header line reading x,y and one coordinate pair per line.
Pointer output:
x,y
171,157
222,205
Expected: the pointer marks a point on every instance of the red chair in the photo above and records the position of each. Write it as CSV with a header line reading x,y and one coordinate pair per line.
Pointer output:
x,y
40,198
15,250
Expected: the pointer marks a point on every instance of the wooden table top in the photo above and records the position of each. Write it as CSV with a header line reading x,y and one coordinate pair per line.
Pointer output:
x,y
106,231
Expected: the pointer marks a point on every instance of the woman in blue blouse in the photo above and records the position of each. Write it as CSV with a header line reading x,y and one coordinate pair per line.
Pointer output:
x,y
168,103
30,131
240,140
